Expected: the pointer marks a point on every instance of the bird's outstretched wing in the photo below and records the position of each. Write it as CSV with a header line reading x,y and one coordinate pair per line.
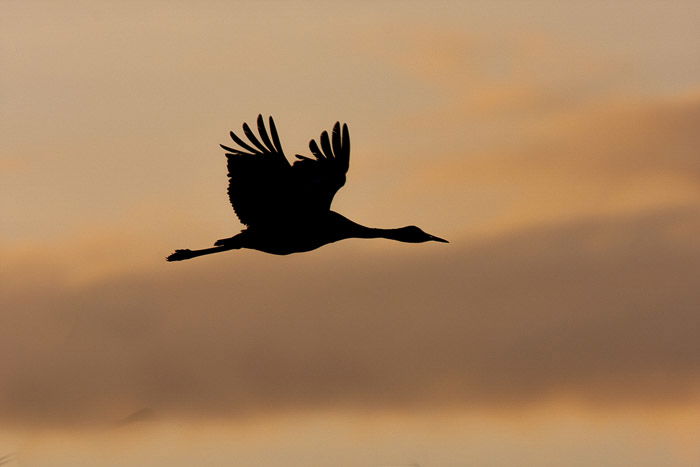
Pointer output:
x,y
259,175
318,179
264,189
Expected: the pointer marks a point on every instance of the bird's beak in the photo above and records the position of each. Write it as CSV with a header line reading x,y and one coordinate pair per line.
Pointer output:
x,y
438,239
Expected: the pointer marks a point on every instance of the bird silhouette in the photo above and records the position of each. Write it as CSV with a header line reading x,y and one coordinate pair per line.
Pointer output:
x,y
286,207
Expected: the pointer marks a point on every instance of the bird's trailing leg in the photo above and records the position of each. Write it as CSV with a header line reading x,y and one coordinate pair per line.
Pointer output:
x,y
180,255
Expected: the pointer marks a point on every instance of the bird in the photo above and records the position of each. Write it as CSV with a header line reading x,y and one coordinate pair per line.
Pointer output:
x,y
285,207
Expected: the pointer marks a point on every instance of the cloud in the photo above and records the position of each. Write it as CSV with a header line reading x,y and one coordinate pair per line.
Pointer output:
x,y
513,76
616,157
603,310
527,127
595,300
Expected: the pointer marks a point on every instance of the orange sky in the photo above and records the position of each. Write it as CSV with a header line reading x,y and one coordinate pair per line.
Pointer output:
x,y
555,146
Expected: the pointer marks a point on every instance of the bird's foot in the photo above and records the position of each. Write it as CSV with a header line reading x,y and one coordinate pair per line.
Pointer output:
x,y
179,255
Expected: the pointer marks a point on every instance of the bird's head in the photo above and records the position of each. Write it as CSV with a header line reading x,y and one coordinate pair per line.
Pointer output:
x,y
413,234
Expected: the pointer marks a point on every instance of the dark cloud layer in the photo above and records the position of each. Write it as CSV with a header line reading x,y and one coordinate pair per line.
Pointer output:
x,y
605,310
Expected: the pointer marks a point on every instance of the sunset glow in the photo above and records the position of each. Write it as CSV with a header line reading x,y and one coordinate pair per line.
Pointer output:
x,y
555,144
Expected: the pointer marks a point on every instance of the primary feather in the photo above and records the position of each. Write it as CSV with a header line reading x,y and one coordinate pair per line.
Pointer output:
x,y
264,189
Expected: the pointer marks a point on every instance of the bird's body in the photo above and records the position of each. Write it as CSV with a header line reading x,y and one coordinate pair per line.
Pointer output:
x,y
295,237
287,206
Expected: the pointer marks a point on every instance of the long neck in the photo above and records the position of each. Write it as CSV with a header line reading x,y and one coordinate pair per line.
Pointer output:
x,y
351,229
360,231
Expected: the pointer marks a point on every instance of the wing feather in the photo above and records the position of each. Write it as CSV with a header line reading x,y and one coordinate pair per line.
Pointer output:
x,y
264,189
315,150
344,154
323,176
326,145
337,144
253,139
275,136
258,178
263,134
346,141
242,143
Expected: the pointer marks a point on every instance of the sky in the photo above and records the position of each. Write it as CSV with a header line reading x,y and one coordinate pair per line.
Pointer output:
x,y
555,144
